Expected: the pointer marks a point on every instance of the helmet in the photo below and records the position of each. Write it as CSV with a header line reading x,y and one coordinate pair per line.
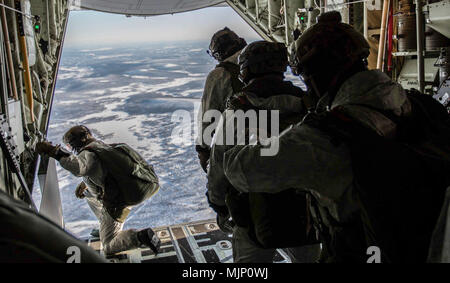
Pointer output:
x,y
77,137
262,57
225,43
329,42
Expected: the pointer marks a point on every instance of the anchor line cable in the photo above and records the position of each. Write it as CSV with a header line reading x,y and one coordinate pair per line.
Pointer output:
x,y
338,4
17,11
347,3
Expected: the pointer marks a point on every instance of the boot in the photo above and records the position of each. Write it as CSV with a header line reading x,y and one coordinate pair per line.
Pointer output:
x,y
148,238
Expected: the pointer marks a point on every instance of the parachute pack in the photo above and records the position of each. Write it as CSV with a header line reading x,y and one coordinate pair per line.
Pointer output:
x,y
130,179
400,184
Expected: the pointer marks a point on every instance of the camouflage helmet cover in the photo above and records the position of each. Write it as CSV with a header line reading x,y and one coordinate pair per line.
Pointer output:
x,y
340,42
225,43
76,137
263,57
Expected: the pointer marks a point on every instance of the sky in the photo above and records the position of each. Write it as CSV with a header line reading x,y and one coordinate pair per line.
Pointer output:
x,y
89,28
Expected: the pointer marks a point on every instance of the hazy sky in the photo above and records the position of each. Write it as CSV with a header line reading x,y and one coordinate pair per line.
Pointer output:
x,y
89,28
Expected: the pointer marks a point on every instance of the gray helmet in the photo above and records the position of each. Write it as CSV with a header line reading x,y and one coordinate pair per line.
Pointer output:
x,y
225,43
330,41
262,57
77,137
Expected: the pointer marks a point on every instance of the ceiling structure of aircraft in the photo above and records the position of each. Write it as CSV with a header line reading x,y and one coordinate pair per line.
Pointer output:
x,y
145,8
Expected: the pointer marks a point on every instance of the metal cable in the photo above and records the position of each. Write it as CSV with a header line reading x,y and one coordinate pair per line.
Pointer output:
x,y
17,11
318,6
347,3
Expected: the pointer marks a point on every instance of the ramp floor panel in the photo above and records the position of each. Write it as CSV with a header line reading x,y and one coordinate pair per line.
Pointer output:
x,y
195,242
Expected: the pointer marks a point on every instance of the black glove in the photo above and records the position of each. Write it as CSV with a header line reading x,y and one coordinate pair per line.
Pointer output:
x,y
225,223
55,152
203,156
45,147
79,191
221,210
223,216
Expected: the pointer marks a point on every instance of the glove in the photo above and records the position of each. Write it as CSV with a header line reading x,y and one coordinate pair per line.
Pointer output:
x,y
224,223
219,209
203,156
204,161
223,216
45,147
79,191
55,152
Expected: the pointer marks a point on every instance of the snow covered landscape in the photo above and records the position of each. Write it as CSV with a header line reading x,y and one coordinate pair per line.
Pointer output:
x,y
129,94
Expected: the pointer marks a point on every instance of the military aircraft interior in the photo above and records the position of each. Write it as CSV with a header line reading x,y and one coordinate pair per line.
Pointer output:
x,y
409,41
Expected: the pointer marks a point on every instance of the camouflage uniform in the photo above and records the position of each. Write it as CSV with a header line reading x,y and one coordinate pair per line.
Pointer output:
x,y
87,165
308,160
217,182
264,93
221,83
218,88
